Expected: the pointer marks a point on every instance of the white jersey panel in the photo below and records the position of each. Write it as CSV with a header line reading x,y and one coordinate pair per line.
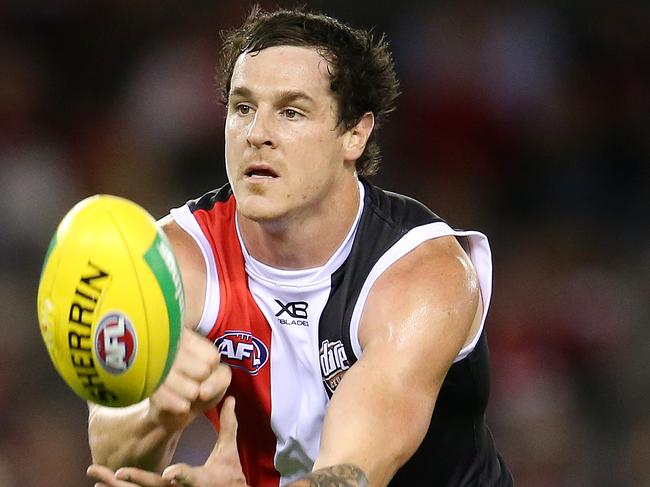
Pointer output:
x,y
479,253
292,302
183,216
298,398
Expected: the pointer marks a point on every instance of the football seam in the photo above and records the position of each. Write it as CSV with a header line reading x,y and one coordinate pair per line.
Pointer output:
x,y
142,298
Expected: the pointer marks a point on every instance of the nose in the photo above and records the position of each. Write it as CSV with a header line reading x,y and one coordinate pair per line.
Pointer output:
x,y
260,131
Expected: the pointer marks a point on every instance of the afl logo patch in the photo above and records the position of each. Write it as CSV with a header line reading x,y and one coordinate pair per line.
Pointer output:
x,y
242,350
115,343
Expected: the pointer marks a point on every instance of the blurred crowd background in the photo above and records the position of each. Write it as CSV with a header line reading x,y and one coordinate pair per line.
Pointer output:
x,y
527,120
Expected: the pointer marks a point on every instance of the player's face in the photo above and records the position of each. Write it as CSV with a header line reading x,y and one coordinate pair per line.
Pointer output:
x,y
284,151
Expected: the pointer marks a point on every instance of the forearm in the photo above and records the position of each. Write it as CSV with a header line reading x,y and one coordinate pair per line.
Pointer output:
x,y
129,436
335,476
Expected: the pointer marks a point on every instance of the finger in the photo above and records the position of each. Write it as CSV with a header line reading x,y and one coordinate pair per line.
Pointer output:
x,y
106,477
100,473
181,473
182,385
214,387
141,477
199,348
194,368
225,450
228,423
167,400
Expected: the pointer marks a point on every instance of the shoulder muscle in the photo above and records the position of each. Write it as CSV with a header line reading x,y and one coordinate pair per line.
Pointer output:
x,y
428,298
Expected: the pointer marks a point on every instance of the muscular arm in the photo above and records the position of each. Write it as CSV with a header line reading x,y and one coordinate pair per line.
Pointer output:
x,y
146,434
417,317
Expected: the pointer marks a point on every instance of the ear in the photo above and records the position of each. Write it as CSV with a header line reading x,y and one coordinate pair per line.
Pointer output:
x,y
356,138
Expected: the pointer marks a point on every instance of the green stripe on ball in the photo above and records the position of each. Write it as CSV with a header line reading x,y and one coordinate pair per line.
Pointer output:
x,y
163,264
48,253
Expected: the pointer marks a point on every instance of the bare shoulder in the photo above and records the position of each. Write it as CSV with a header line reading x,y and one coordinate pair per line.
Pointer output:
x,y
431,294
192,267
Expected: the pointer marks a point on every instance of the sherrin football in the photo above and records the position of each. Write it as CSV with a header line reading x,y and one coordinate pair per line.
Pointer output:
x,y
110,301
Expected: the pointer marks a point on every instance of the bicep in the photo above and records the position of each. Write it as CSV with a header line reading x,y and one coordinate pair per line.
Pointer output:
x,y
192,267
414,323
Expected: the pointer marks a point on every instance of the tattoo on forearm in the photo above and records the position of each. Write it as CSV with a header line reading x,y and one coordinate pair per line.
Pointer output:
x,y
334,476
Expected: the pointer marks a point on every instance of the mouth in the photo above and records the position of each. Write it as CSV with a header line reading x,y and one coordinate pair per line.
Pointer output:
x,y
260,172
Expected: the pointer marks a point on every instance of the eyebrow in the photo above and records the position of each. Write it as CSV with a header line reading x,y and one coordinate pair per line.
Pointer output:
x,y
286,97
282,98
241,92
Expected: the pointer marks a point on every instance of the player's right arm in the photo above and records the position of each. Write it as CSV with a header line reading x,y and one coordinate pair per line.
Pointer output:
x,y
145,434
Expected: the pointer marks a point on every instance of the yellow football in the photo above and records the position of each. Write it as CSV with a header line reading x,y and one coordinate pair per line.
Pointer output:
x,y
110,301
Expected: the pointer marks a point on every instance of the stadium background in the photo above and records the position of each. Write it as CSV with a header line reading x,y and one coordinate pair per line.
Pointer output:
x,y
526,120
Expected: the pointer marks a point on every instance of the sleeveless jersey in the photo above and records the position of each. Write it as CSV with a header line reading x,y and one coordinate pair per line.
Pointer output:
x,y
290,335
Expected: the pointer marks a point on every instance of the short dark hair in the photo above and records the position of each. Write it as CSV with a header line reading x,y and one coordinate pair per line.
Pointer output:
x,y
362,74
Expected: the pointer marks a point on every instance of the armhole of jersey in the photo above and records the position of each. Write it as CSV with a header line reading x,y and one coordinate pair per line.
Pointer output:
x,y
185,219
479,253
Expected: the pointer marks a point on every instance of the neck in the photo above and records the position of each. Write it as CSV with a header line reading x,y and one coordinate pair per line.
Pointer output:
x,y
306,238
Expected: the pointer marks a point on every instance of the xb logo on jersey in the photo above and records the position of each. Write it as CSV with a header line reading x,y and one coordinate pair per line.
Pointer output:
x,y
295,309
242,350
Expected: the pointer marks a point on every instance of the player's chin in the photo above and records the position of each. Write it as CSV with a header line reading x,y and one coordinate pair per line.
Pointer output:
x,y
259,208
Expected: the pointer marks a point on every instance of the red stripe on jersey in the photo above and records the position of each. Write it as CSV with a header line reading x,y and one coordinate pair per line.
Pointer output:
x,y
244,338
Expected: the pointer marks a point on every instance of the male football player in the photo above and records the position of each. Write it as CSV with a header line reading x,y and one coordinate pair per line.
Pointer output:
x,y
347,322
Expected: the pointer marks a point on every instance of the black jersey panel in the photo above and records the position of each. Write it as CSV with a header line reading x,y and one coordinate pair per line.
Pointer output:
x,y
385,219
458,449
211,198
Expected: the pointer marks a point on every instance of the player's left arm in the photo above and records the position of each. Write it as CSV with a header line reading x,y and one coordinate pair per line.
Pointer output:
x,y
417,317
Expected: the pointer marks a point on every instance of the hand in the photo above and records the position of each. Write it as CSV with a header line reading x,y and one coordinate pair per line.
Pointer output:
x,y
196,381
222,469
126,477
